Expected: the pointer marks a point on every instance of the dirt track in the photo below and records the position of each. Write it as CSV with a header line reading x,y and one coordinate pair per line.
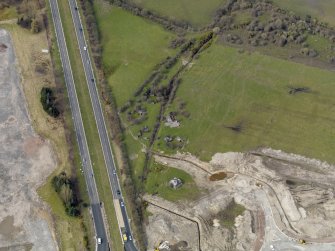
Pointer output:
x,y
25,162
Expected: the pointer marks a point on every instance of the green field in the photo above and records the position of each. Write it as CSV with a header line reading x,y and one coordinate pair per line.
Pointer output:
x,y
197,12
227,88
322,9
131,46
158,183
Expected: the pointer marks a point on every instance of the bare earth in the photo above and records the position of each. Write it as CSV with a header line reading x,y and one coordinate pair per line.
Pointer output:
x,y
287,198
25,162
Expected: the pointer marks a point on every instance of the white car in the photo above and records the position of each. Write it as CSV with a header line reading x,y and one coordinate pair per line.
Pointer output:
x,y
130,237
122,204
272,247
99,241
85,48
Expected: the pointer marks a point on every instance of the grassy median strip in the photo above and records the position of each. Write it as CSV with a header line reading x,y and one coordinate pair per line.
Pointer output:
x,y
91,130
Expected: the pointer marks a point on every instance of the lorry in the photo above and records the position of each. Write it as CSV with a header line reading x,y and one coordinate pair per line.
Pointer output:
x,y
124,234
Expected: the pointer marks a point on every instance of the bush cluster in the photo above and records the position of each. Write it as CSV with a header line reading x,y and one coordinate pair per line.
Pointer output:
x,y
64,186
282,27
31,16
49,103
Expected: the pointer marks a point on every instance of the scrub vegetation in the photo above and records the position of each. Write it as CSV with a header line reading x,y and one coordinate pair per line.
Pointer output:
x,y
323,10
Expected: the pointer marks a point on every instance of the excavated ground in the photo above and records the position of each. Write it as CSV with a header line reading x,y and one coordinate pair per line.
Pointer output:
x,y
286,198
25,162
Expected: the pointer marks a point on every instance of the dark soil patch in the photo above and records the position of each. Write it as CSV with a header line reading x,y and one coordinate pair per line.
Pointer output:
x,y
218,176
3,47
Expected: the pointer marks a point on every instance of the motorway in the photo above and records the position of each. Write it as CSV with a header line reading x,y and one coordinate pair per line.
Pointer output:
x,y
79,129
100,122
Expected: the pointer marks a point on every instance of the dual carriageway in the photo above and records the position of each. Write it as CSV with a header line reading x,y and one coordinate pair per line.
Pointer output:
x,y
119,205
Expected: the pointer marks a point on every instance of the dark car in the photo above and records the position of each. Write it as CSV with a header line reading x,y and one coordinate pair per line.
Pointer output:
x,y
118,192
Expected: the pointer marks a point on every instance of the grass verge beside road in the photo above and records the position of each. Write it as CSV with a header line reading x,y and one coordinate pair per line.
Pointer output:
x,y
100,171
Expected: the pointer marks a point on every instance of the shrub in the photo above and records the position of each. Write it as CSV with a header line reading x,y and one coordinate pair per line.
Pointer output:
x,y
65,189
48,101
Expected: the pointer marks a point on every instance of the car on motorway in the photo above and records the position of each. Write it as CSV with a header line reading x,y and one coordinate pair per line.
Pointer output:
x,y
122,204
85,48
118,192
99,241
125,238
114,172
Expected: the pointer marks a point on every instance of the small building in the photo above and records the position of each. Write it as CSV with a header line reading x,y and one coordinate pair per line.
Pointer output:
x,y
175,183
170,121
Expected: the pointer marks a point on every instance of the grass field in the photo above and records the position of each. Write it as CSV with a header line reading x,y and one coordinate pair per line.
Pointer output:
x,y
227,88
132,47
322,9
99,168
158,183
197,12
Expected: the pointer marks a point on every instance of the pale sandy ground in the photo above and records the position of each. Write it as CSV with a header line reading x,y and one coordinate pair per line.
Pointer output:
x,y
287,197
25,162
